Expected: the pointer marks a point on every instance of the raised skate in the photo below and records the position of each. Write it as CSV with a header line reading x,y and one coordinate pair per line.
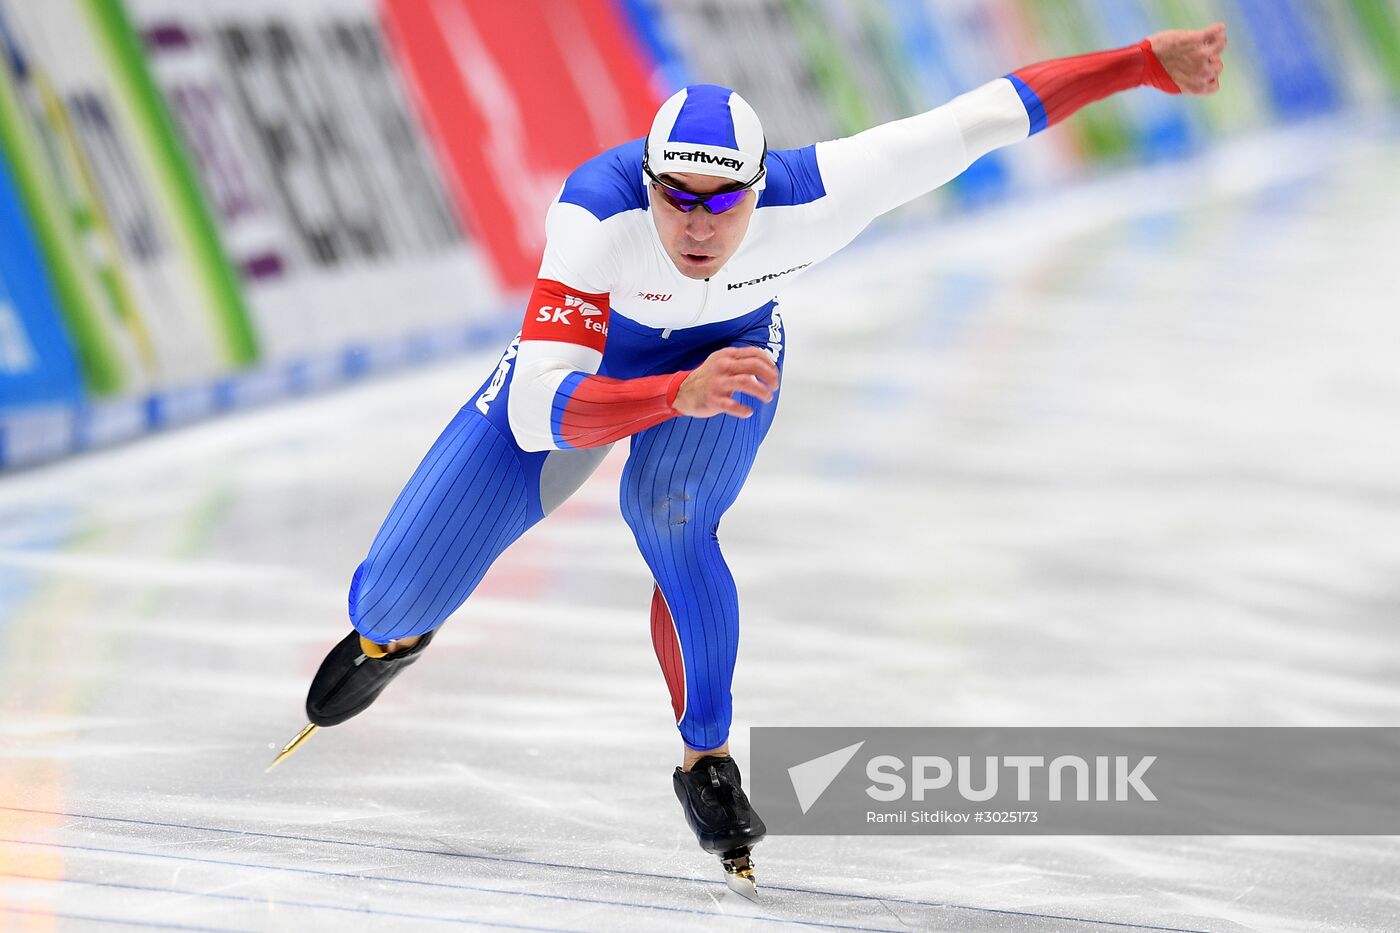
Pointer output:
x,y
350,678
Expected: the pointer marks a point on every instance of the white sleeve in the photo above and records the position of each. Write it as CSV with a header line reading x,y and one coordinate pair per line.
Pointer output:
x,y
580,257
880,169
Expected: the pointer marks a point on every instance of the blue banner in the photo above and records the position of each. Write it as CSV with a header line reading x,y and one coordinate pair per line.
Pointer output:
x,y
37,365
934,44
1301,81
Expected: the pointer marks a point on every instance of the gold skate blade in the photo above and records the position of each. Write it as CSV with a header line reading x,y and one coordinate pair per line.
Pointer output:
x,y
293,745
742,883
738,875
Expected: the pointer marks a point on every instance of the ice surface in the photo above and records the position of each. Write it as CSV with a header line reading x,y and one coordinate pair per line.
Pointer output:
x,y
1122,456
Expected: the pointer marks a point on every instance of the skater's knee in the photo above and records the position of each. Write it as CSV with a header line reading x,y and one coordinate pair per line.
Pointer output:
x,y
666,513
385,608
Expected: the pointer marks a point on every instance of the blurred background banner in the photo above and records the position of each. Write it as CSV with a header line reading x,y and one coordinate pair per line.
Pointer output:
x,y
207,205
518,94
130,201
324,185
38,371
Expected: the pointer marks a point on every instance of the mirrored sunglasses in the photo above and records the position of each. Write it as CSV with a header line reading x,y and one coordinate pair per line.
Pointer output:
x,y
685,201
716,203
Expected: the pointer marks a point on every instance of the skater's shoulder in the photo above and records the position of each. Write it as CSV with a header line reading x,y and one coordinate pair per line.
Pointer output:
x,y
610,183
794,177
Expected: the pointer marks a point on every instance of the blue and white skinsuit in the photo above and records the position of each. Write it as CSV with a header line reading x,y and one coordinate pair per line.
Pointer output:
x,y
609,333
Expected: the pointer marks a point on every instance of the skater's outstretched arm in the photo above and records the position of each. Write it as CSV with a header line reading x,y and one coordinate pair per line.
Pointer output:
x,y
896,162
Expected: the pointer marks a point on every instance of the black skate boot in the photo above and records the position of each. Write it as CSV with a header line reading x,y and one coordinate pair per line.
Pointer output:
x,y
353,675
717,810
350,678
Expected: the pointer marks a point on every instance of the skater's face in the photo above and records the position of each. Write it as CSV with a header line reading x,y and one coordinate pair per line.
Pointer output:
x,y
700,242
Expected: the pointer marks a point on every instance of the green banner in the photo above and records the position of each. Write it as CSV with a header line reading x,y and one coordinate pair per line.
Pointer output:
x,y
195,233
1378,24
112,344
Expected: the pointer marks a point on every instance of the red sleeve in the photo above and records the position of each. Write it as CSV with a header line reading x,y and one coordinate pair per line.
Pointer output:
x,y
1055,89
590,411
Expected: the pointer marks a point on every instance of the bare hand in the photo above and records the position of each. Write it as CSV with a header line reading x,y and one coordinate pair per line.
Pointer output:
x,y
1192,57
707,391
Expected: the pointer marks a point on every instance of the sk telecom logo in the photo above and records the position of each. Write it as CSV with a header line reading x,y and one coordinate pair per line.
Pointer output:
x,y
555,315
585,308
564,315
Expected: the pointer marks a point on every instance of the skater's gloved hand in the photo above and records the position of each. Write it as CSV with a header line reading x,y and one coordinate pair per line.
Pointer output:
x,y
1192,57
707,391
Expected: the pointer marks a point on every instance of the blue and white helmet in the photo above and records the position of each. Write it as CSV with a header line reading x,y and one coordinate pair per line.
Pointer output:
x,y
708,130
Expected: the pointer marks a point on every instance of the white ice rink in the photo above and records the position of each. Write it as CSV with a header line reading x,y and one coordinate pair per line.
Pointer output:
x,y
1127,455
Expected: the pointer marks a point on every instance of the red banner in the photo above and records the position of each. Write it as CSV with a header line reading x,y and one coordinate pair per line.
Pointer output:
x,y
516,95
